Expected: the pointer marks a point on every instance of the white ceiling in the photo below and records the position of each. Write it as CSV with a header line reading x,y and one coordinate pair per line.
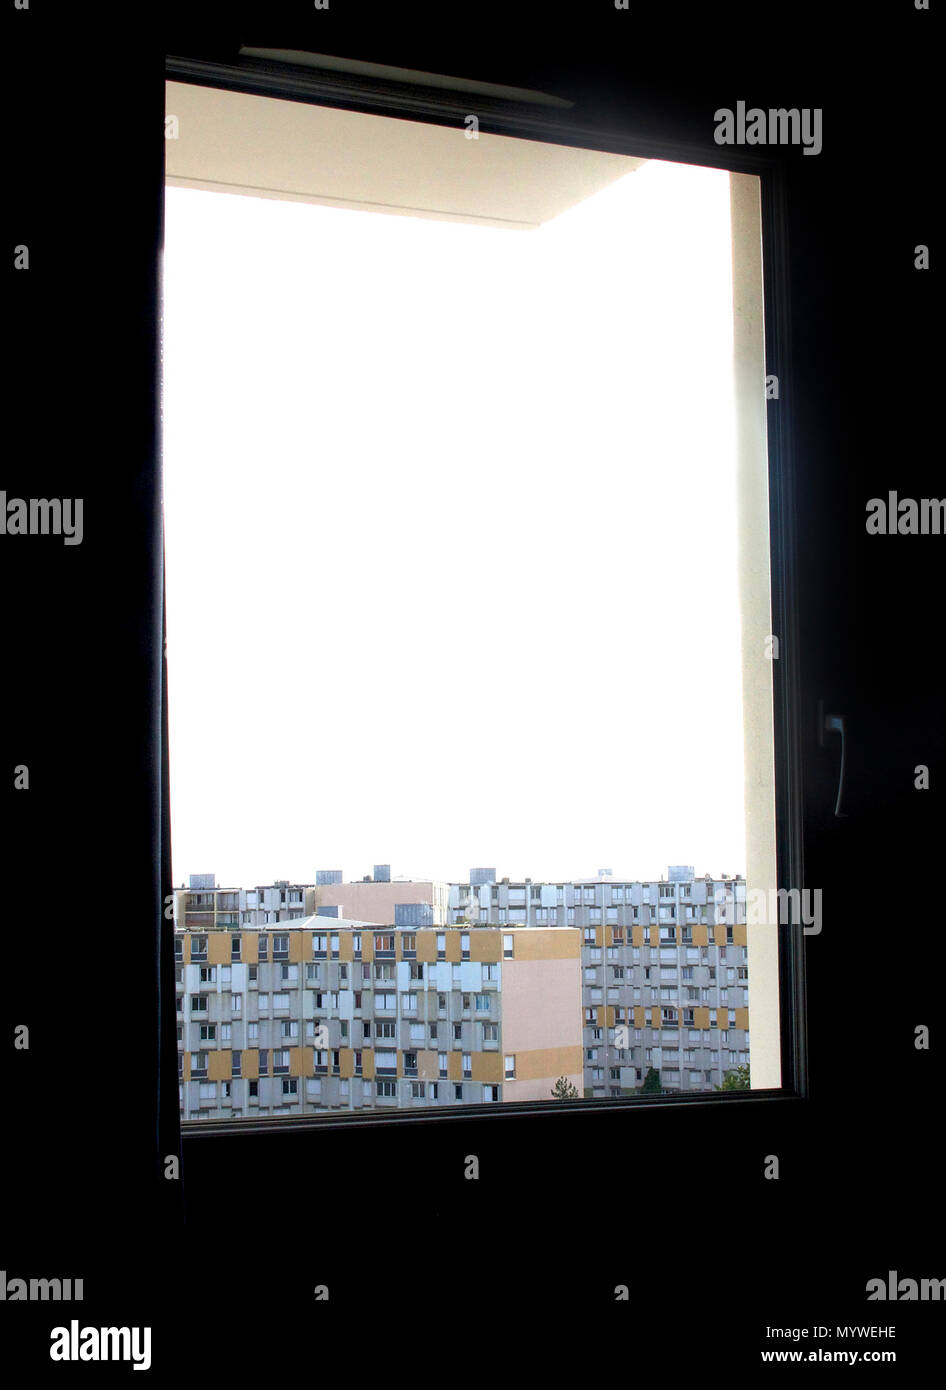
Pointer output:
x,y
233,142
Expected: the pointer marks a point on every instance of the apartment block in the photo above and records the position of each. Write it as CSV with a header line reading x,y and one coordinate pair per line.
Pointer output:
x,y
664,970
338,1015
205,907
401,902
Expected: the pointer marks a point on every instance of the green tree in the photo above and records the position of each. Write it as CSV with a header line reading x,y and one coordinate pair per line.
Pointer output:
x,y
652,1086
737,1080
564,1090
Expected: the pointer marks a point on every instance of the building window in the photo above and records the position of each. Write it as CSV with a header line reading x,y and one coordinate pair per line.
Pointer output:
x,y
509,1067
507,947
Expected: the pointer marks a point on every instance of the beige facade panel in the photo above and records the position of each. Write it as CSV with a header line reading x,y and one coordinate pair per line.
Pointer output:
x,y
300,1061
701,1018
487,1067
739,934
218,948
300,946
547,1063
637,934
540,1088
742,1018
532,943
486,945
250,950
700,934
367,1063
428,1068
250,1061
219,1065
455,1066
346,1062
638,1012
426,945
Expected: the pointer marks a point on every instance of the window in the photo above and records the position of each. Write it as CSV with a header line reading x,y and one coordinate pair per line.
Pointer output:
x,y
509,1067
592,897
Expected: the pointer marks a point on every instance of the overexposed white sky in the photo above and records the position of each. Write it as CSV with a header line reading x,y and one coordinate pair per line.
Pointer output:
x,y
451,538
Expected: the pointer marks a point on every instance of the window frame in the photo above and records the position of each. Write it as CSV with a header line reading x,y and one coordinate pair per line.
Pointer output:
x,y
501,116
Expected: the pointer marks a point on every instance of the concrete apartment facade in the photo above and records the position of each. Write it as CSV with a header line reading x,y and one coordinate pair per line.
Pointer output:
x,y
665,980
337,1015
634,974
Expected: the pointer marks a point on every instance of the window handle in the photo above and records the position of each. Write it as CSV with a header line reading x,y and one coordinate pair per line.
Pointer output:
x,y
833,724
